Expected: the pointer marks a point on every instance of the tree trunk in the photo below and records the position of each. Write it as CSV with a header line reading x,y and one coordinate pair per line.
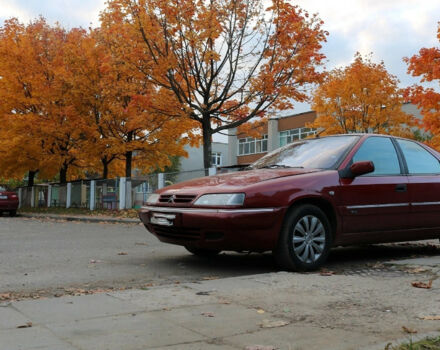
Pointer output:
x,y
31,177
128,161
207,144
63,174
105,164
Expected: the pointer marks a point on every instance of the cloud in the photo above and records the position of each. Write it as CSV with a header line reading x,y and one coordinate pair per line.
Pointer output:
x,y
10,9
70,13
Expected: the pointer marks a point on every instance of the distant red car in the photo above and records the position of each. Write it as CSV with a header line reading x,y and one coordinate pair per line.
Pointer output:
x,y
306,197
8,201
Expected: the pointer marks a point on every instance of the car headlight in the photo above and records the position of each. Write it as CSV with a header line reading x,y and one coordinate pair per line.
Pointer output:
x,y
153,198
221,199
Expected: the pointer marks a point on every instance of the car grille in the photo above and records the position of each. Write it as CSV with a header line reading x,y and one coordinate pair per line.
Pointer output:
x,y
177,233
176,198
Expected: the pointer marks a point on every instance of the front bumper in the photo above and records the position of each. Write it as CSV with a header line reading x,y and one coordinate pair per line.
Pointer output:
x,y
8,204
253,229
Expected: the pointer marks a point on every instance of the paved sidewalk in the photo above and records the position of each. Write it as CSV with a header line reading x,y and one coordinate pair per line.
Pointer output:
x,y
82,218
277,310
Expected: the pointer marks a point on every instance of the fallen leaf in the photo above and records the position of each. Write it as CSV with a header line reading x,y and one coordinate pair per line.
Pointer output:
x,y
27,325
417,270
5,296
423,285
122,253
141,243
204,293
207,314
209,278
430,318
409,330
327,273
226,302
260,347
260,311
273,324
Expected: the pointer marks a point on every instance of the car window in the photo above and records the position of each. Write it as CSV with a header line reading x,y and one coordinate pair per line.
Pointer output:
x,y
418,159
316,153
381,151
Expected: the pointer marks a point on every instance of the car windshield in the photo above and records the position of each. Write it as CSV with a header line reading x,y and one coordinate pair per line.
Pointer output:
x,y
318,153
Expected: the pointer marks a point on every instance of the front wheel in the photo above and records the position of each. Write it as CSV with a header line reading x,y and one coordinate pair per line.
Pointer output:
x,y
305,239
203,252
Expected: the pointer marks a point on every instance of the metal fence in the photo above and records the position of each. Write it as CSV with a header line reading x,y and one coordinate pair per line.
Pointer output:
x,y
111,194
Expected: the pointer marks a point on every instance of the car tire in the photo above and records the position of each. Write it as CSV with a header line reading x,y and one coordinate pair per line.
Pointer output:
x,y
305,239
12,213
203,252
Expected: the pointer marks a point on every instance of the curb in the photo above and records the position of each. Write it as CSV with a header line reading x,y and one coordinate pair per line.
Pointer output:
x,y
93,219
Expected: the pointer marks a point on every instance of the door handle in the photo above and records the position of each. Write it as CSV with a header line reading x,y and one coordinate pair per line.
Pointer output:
x,y
400,188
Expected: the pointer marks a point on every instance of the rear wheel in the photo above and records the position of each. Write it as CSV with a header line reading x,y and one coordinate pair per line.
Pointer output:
x,y
12,213
203,252
305,239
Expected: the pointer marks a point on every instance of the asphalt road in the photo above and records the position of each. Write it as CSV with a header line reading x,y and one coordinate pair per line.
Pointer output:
x,y
44,255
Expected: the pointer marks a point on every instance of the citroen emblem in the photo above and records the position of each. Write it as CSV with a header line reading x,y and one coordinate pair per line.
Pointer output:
x,y
171,199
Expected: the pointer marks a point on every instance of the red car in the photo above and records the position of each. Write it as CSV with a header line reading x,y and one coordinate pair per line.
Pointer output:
x,y
306,197
8,201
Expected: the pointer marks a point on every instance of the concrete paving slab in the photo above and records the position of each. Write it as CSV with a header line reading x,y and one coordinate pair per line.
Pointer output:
x,y
10,318
298,337
164,297
433,261
128,332
217,320
67,309
200,346
32,338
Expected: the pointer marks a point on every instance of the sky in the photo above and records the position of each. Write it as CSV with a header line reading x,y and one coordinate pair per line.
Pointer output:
x,y
390,29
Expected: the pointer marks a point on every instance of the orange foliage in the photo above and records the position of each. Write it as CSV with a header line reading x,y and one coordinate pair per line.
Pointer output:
x,y
76,101
40,128
427,65
225,62
362,97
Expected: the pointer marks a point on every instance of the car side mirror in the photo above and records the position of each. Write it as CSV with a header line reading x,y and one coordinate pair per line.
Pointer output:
x,y
357,169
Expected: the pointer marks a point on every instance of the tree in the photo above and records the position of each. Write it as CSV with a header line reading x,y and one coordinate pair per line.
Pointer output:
x,y
427,65
44,132
362,97
225,61
140,121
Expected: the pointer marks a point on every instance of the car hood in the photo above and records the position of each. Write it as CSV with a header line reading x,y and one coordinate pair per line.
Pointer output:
x,y
231,181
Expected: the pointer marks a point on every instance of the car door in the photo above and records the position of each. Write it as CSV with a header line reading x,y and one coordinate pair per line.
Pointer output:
x,y
377,201
423,185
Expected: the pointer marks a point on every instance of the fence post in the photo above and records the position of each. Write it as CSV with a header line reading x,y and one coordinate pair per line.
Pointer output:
x,y
122,183
212,171
128,194
20,197
49,195
160,180
69,195
92,195
33,197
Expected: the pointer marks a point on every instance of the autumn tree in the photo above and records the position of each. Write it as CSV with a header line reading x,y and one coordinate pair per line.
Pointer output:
x,y
225,61
44,130
427,66
141,121
362,97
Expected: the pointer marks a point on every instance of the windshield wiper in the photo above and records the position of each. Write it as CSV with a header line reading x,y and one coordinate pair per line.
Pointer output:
x,y
272,166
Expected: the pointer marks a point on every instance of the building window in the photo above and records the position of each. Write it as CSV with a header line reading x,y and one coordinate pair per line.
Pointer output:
x,y
216,159
250,145
289,136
